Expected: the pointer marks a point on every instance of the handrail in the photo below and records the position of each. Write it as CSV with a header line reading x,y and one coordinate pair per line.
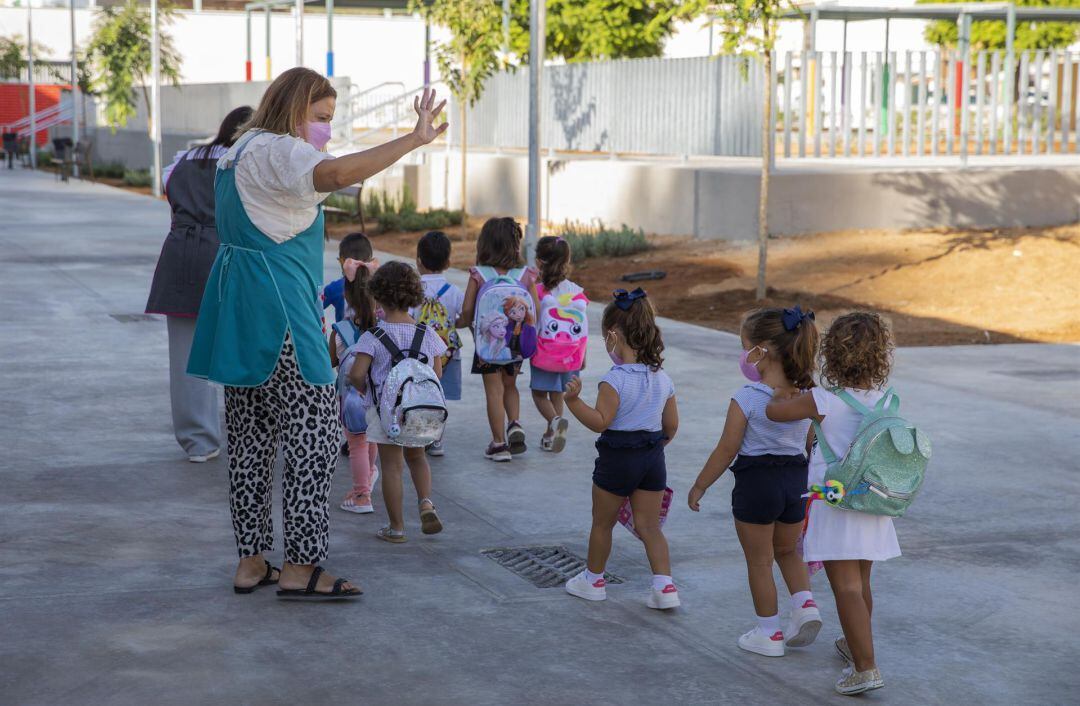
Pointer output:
x,y
42,114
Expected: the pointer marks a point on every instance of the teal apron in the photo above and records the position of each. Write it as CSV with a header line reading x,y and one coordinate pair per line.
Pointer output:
x,y
257,292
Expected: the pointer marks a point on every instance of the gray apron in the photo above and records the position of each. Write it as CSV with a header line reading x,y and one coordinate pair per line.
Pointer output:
x,y
192,243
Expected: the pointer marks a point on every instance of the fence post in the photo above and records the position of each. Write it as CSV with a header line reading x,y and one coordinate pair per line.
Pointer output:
x,y
995,72
920,102
1021,103
803,108
860,148
845,102
1036,104
832,104
1051,122
787,105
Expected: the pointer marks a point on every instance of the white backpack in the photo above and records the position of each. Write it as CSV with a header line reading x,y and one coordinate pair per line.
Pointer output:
x,y
411,405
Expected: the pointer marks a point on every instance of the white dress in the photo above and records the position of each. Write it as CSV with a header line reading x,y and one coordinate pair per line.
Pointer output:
x,y
833,534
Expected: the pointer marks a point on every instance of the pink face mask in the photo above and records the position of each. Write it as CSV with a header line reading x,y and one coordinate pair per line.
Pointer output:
x,y
317,134
749,370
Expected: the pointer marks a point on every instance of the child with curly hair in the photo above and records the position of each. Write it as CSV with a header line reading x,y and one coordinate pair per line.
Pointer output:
x,y
856,357
396,288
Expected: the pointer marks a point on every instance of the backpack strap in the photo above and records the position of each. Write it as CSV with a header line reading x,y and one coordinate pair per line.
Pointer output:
x,y
396,356
823,446
347,331
486,272
850,400
516,274
889,402
442,290
416,348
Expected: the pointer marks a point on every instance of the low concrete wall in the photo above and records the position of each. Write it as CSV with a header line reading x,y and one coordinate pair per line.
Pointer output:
x,y
721,201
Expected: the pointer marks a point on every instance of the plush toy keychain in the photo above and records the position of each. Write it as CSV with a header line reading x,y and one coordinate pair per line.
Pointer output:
x,y
832,492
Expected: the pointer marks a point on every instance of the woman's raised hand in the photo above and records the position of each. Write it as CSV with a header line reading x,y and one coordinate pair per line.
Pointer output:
x,y
426,112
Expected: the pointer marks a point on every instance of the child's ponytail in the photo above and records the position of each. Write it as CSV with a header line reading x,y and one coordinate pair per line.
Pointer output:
x,y
633,315
792,336
358,263
553,260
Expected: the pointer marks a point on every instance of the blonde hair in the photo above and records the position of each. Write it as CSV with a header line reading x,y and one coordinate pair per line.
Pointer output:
x,y
283,108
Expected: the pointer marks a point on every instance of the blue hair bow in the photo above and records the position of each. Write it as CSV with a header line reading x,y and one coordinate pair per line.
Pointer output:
x,y
793,317
624,299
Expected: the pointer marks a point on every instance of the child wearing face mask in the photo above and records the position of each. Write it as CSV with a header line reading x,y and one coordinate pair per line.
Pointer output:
x,y
636,416
770,467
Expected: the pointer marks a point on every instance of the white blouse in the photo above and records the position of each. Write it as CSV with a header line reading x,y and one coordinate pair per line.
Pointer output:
x,y
275,182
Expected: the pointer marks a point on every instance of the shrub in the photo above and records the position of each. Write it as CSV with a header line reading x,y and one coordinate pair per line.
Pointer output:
x,y
110,170
401,214
137,177
601,241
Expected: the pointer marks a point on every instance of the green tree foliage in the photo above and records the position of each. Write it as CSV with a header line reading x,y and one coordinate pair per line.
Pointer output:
x,y
119,54
582,30
986,34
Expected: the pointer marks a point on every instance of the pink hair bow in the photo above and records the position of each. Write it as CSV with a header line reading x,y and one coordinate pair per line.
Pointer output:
x,y
350,266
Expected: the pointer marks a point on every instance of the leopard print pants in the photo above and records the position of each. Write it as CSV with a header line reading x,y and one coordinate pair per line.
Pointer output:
x,y
301,420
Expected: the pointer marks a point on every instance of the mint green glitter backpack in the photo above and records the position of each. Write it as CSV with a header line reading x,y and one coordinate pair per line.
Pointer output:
x,y
882,470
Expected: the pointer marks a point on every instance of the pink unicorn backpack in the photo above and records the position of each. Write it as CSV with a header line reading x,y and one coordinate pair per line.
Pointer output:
x,y
563,333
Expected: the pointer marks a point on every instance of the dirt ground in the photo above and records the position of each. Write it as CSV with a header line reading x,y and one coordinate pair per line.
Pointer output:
x,y
938,287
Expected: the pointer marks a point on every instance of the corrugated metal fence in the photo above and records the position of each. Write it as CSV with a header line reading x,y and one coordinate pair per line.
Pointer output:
x,y
699,106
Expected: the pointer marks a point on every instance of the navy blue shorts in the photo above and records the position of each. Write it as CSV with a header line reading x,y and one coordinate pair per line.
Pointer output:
x,y
629,461
769,489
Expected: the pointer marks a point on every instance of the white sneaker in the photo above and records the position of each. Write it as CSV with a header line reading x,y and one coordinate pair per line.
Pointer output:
x,y
805,623
759,643
579,586
664,599
852,682
435,449
559,427
203,458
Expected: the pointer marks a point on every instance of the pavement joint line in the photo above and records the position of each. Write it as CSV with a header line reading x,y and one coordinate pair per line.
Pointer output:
x,y
57,269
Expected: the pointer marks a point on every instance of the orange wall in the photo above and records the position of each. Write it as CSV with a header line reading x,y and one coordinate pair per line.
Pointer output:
x,y
15,103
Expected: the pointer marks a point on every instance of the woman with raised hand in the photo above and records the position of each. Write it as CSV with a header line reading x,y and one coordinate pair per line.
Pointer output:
x,y
260,325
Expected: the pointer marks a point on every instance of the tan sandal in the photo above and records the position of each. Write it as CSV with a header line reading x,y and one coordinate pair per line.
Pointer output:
x,y
389,534
429,519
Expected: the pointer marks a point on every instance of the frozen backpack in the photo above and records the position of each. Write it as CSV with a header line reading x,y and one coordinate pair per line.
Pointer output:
x,y
504,323
434,314
883,468
563,333
352,404
411,405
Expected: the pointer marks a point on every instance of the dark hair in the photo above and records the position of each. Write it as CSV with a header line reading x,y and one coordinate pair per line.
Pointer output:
x,y
355,245
638,326
499,244
433,251
794,349
358,292
553,259
226,136
857,351
396,285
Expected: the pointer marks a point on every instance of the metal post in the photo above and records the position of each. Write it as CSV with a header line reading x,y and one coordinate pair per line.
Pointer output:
x,y
537,12
155,96
74,93
329,38
299,29
197,5
962,87
247,54
1010,63
33,87
269,75
427,54
506,28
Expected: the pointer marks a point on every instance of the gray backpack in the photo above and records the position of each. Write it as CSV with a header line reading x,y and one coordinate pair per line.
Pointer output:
x,y
411,405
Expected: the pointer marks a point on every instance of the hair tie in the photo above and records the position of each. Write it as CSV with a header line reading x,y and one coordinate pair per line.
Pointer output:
x,y
559,239
350,267
792,318
624,299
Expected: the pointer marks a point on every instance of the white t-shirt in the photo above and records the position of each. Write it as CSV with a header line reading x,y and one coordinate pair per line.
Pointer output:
x,y
839,426
275,182
453,300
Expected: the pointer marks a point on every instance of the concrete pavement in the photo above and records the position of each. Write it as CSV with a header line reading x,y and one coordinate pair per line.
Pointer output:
x,y
116,555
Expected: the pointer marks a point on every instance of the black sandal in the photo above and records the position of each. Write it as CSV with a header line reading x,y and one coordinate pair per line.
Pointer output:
x,y
267,580
310,594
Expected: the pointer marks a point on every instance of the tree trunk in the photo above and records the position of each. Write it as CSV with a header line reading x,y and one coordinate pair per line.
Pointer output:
x,y
766,159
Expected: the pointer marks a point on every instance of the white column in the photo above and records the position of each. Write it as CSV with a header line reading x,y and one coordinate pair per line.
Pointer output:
x,y
155,97
299,32
537,13
33,88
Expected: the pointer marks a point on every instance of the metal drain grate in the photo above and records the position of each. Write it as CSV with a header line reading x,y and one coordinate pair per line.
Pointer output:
x,y
133,318
544,567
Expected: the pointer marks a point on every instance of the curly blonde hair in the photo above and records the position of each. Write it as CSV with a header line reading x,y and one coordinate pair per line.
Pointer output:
x,y
857,352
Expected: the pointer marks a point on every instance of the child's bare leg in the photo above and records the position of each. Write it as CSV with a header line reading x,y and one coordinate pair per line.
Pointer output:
x,y
868,598
646,506
845,577
543,405
493,390
511,398
757,546
605,511
792,566
557,403
420,472
392,491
